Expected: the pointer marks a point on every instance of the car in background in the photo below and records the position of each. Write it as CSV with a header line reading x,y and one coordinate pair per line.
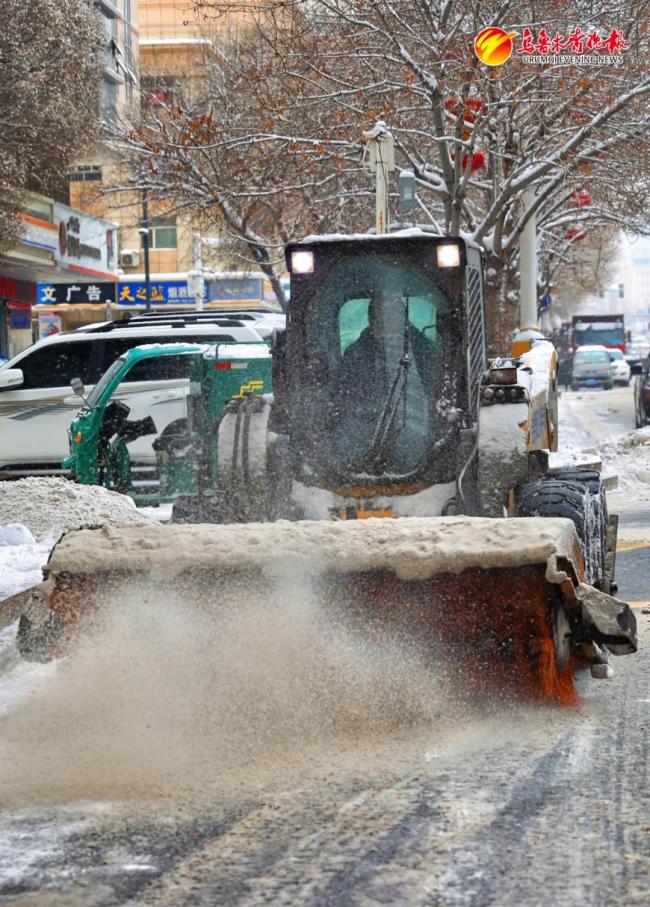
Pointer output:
x,y
621,371
642,395
37,404
592,367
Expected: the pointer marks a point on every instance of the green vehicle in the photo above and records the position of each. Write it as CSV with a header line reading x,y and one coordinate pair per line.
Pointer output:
x,y
176,394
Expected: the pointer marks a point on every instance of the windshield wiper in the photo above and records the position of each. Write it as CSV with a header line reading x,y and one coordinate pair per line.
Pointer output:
x,y
397,392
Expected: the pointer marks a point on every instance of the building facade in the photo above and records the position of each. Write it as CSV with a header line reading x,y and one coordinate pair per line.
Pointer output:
x,y
68,250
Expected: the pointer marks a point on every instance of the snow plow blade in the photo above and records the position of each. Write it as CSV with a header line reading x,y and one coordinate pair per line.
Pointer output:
x,y
502,598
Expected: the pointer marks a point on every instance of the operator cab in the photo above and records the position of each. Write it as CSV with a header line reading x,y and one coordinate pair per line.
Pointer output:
x,y
378,383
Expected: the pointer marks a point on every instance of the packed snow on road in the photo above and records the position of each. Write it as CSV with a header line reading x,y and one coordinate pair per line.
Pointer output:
x,y
273,749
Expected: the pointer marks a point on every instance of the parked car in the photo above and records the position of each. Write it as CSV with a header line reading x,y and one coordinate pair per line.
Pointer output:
x,y
591,368
642,395
621,370
264,320
37,404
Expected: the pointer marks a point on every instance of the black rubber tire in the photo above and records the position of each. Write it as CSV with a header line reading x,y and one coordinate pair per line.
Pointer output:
x,y
592,480
575,387
558,497
176,429
36,644
561,636
186,509
607,386
212,507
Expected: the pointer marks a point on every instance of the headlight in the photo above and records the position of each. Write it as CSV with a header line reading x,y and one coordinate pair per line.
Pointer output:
x,y
302,261
448,255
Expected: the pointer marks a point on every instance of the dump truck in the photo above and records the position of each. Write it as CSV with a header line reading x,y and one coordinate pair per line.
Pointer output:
x,y
600,330
396,471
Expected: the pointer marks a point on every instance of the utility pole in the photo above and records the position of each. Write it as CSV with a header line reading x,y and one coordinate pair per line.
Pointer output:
x,y
379,158
529,330
528,266
144,233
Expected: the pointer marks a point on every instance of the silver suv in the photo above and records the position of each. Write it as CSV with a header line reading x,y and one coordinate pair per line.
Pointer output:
x,y
592,367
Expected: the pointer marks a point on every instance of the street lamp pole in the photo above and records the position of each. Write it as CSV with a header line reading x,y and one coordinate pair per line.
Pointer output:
x,y
144,233
199,282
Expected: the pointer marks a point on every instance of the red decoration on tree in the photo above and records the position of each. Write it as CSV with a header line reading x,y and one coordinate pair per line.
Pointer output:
x,y
478,160
470,107
579,200
574,233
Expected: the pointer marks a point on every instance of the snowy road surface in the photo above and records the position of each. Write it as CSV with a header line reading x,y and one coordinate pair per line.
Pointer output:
x,y
116,789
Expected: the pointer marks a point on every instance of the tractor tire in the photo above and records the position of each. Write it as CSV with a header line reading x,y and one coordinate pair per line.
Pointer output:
x,y
553,496
37,643
592,481
211,507
186,509
176,429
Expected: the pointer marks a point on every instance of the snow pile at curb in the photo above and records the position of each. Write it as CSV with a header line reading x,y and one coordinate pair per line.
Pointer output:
x,y
629,456
50,506
15,534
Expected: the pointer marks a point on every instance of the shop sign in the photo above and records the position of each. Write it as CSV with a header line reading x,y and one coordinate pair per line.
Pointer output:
x,y
75,293
85,244
20,316
231,289
172,292
49,323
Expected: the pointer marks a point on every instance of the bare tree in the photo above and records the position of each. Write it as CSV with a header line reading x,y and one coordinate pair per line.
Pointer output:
x,y
312,75
50,80
211,150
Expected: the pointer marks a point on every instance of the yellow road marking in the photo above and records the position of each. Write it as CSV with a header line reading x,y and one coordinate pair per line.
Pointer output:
x,y
631,546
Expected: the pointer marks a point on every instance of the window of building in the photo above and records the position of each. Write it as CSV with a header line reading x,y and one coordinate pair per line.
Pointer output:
x,y
163,233
86,173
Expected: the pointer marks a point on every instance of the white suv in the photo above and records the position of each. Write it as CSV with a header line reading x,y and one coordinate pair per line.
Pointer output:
x,y
621,371
37,403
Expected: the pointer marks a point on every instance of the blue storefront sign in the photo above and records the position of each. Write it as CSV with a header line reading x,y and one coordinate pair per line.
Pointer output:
x,y
172,292
231,289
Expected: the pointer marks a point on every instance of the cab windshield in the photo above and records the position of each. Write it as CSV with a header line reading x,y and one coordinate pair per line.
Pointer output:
x,y
381,382
592,356
96,393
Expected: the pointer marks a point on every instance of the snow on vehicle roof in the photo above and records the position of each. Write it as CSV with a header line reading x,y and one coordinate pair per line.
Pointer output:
x,y
242,351
211,329
597,325
587,347
407,233
167,348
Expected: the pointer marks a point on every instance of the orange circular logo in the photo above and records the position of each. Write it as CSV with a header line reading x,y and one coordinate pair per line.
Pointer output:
x,y
493,46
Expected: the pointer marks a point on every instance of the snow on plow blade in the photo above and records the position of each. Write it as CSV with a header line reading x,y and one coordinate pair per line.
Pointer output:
x,y
502,597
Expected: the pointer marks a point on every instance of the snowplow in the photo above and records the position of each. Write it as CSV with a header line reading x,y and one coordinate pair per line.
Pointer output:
x,y
399,473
